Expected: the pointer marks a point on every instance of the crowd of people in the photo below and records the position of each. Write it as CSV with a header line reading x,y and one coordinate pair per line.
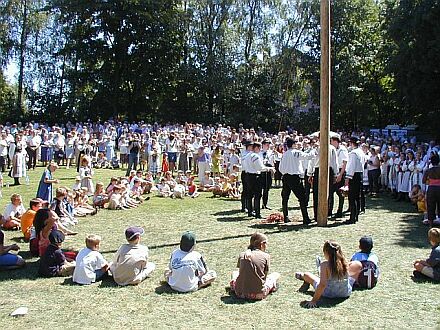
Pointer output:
x,y
185,160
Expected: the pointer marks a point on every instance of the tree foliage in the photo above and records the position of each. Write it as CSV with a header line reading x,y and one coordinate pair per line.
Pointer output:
x,y
248,61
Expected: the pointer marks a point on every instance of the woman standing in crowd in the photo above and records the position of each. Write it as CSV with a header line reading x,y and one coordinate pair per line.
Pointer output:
x,y
431,179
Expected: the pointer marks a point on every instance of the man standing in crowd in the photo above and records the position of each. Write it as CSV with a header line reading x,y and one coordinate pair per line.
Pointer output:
x,y
134,147
266,177
291,167
354,173
313,173
244,178
342,154
254,166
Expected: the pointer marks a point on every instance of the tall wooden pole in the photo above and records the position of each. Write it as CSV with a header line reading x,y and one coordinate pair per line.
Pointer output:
x,y
325,115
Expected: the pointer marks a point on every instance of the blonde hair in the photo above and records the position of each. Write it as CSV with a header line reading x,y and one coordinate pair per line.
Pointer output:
x,y
434,235
92,240
14,197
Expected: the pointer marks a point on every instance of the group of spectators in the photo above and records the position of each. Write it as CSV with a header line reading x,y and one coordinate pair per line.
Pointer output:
x,y
215,155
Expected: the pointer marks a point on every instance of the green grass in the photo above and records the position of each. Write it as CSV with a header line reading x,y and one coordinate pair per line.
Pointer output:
x,y
223,232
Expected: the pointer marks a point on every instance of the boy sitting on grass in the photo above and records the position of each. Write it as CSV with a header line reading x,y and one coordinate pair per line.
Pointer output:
x,y
431,266
53,262
187,270
90,264
367,275
130,264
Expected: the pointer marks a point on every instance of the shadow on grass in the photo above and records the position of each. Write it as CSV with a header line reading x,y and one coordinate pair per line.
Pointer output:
x,y
28,272
233,219
69,281
164,288
234,300
326,302
413,232
226,213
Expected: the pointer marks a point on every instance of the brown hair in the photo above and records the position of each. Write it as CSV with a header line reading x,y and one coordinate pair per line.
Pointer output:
x,y
256,240
336,259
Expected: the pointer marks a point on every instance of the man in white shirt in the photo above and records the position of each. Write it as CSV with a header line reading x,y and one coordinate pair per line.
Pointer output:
x,y
291,167
244,178
254,166
266,177
313,173
354,173
342,154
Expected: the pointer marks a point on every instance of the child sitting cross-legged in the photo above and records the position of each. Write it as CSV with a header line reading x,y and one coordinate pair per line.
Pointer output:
x,y
130,264
430,267
53,262
187,269
252,281
90,264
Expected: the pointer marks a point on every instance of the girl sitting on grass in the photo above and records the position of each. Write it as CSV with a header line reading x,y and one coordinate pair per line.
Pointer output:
x,y
334,280
99,197
431,266
252,281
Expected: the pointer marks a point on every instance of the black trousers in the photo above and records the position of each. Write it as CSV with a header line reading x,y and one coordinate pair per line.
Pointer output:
x,y
32,163
433,202
307,187
373,180
354,192
315,189
335,188
3,162
254,195
292,183
265,183
245,190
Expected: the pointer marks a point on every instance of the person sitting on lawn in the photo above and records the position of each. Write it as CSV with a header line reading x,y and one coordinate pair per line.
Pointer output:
x,y
192,188
9,260
90,264
251,280
130,264
367,264
334,280
13,213
115,201
100,197
430,267
187,269
27,219
53,262
206,183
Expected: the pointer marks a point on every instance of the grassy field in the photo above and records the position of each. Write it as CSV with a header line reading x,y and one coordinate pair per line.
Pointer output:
x,y
223,232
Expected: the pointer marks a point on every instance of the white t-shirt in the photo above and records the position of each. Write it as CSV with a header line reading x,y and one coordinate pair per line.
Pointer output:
x,y
87,261
11,210
186,268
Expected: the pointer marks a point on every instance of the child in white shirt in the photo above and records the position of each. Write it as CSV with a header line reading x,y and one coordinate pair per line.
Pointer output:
x,y
90,264
187,270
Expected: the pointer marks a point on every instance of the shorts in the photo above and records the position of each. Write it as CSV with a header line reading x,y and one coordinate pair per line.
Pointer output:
x,y
172,157
337,289
8,259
